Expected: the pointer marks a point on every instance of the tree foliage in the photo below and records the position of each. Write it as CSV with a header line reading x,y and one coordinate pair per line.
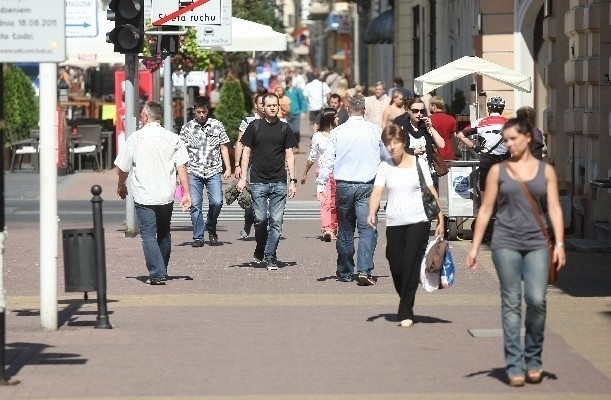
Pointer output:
x,y
20,105
230,110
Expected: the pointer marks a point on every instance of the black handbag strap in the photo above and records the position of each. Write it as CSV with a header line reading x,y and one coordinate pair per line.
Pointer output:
x,y
423,188
531,200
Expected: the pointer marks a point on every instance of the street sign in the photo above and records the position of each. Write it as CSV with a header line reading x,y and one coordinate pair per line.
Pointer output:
x,y
81,18
32,32
194,78
210,35
186,12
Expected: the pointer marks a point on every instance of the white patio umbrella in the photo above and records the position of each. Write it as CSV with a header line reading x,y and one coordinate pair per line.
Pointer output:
x,y
251,36
471,65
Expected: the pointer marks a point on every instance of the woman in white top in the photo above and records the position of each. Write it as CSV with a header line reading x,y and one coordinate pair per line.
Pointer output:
x,y
320,140
407,226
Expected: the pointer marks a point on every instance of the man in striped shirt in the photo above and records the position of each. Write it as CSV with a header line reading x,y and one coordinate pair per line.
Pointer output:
x,y
206,142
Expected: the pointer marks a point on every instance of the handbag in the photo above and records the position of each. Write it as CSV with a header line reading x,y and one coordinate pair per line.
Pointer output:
x,y
553,272
431,207
441,168
430,281
435,256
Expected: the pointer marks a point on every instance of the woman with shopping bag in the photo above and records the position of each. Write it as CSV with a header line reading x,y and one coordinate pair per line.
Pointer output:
x,y
520,252
407,224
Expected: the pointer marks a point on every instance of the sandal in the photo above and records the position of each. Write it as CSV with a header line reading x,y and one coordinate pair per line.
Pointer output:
x,y
516,380
534,375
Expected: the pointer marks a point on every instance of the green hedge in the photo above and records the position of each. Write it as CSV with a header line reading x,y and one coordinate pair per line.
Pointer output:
x,y
230,110
20,105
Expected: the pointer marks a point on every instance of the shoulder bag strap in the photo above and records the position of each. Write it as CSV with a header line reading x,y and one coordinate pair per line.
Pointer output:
x,y
423,187
531,200
495,146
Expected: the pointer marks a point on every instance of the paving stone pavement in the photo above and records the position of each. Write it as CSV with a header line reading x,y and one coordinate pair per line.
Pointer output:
x,y
225,328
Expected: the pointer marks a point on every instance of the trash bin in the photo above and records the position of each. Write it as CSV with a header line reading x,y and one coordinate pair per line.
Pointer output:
x,y
79,260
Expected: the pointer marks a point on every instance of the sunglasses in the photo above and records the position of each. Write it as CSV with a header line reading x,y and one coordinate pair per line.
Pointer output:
x,y
417,110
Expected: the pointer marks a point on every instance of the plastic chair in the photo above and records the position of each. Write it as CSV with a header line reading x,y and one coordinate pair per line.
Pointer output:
x,y
88,142
26,147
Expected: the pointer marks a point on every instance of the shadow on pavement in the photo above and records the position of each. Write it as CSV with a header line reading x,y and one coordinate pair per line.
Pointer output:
x,y
20,354
501,375
586,275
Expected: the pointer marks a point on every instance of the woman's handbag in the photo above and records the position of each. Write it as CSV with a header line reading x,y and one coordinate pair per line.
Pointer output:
x,y
441,168
431,208
435,256
553,272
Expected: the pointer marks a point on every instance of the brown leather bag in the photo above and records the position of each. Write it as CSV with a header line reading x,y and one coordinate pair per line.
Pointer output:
x,y
441,168
435,256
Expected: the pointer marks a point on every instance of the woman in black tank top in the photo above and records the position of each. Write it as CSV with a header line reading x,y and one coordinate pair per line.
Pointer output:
x,y
519,247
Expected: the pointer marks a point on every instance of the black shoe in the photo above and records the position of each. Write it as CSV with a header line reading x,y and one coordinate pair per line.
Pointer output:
x,y
271,264
365,280
213,237
155,281
258,258
197,243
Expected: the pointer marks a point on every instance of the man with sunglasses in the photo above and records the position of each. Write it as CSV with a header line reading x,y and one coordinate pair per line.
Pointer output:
x,y
206,142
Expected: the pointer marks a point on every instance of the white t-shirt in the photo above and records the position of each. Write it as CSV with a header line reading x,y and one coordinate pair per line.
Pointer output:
x,y
318,146
150,156
316,92
404,205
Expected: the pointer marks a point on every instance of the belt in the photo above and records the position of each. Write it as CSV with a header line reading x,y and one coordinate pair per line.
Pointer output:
x,y
355,183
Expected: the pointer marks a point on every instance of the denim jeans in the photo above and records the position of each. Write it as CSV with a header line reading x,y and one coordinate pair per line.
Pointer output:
x,y
154,224
268,201
512,267
294,121
214,188
352,211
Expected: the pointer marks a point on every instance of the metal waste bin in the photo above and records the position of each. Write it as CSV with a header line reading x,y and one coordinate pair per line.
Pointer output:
x,y
79,260
458,195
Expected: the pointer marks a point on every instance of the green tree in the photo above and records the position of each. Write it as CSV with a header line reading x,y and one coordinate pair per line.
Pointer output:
x,y
20,105
230,110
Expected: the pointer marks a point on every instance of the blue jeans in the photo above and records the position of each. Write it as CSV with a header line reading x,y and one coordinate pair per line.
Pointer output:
x,y
352,210
214,188
294,121
513,266
268,201
154,224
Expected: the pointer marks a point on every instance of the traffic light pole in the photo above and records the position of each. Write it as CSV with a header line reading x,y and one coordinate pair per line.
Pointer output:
x,y
132,110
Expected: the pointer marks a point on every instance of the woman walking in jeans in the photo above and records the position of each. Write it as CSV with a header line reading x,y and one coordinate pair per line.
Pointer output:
x,y
407,226
519,247
320,140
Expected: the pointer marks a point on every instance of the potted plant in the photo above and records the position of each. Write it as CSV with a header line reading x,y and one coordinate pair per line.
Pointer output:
x,y
230,110
20,108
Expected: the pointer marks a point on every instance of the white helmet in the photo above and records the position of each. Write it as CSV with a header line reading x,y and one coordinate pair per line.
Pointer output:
x,y
496,103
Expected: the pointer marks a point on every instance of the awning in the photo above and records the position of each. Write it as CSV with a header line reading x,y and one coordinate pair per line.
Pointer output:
x,y
381,29
470,65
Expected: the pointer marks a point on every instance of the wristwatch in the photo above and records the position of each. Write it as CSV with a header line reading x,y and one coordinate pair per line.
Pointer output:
x,y
293,180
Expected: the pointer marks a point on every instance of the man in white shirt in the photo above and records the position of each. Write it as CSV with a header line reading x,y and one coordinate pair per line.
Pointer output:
x,y
376,104
316,92
151,157
354,152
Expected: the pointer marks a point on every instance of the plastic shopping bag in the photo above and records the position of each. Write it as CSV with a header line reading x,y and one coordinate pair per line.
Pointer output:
x,y
430,280
447,271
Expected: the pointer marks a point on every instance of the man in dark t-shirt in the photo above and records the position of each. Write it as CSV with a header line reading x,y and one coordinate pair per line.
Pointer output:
x,y
270,143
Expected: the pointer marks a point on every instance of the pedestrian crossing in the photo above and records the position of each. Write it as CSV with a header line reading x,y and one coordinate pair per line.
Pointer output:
x,y
295,210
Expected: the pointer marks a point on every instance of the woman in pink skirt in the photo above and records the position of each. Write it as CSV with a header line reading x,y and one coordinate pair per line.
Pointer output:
x,y
320,139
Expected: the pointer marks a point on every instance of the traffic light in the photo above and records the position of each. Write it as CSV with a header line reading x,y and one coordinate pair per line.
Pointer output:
x,y
128,35
168,44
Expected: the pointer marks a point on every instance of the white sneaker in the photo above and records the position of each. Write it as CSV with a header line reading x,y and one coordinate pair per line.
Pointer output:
x,y
244,234
406,323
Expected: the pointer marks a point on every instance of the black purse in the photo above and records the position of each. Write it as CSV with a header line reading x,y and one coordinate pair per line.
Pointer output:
x,y
431,208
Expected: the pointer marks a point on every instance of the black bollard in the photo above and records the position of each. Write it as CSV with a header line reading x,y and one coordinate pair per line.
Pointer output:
x,y
102,321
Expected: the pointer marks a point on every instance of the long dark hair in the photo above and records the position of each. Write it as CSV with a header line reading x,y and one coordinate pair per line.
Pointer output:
x,y
327,120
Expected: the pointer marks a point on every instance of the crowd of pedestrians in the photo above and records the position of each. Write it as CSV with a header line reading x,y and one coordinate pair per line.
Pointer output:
x,y
362,144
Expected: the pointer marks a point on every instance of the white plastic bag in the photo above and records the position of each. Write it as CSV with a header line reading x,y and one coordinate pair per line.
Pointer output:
x,y
430,280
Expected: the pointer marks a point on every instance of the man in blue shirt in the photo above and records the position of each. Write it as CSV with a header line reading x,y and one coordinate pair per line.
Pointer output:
x,y
353,154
